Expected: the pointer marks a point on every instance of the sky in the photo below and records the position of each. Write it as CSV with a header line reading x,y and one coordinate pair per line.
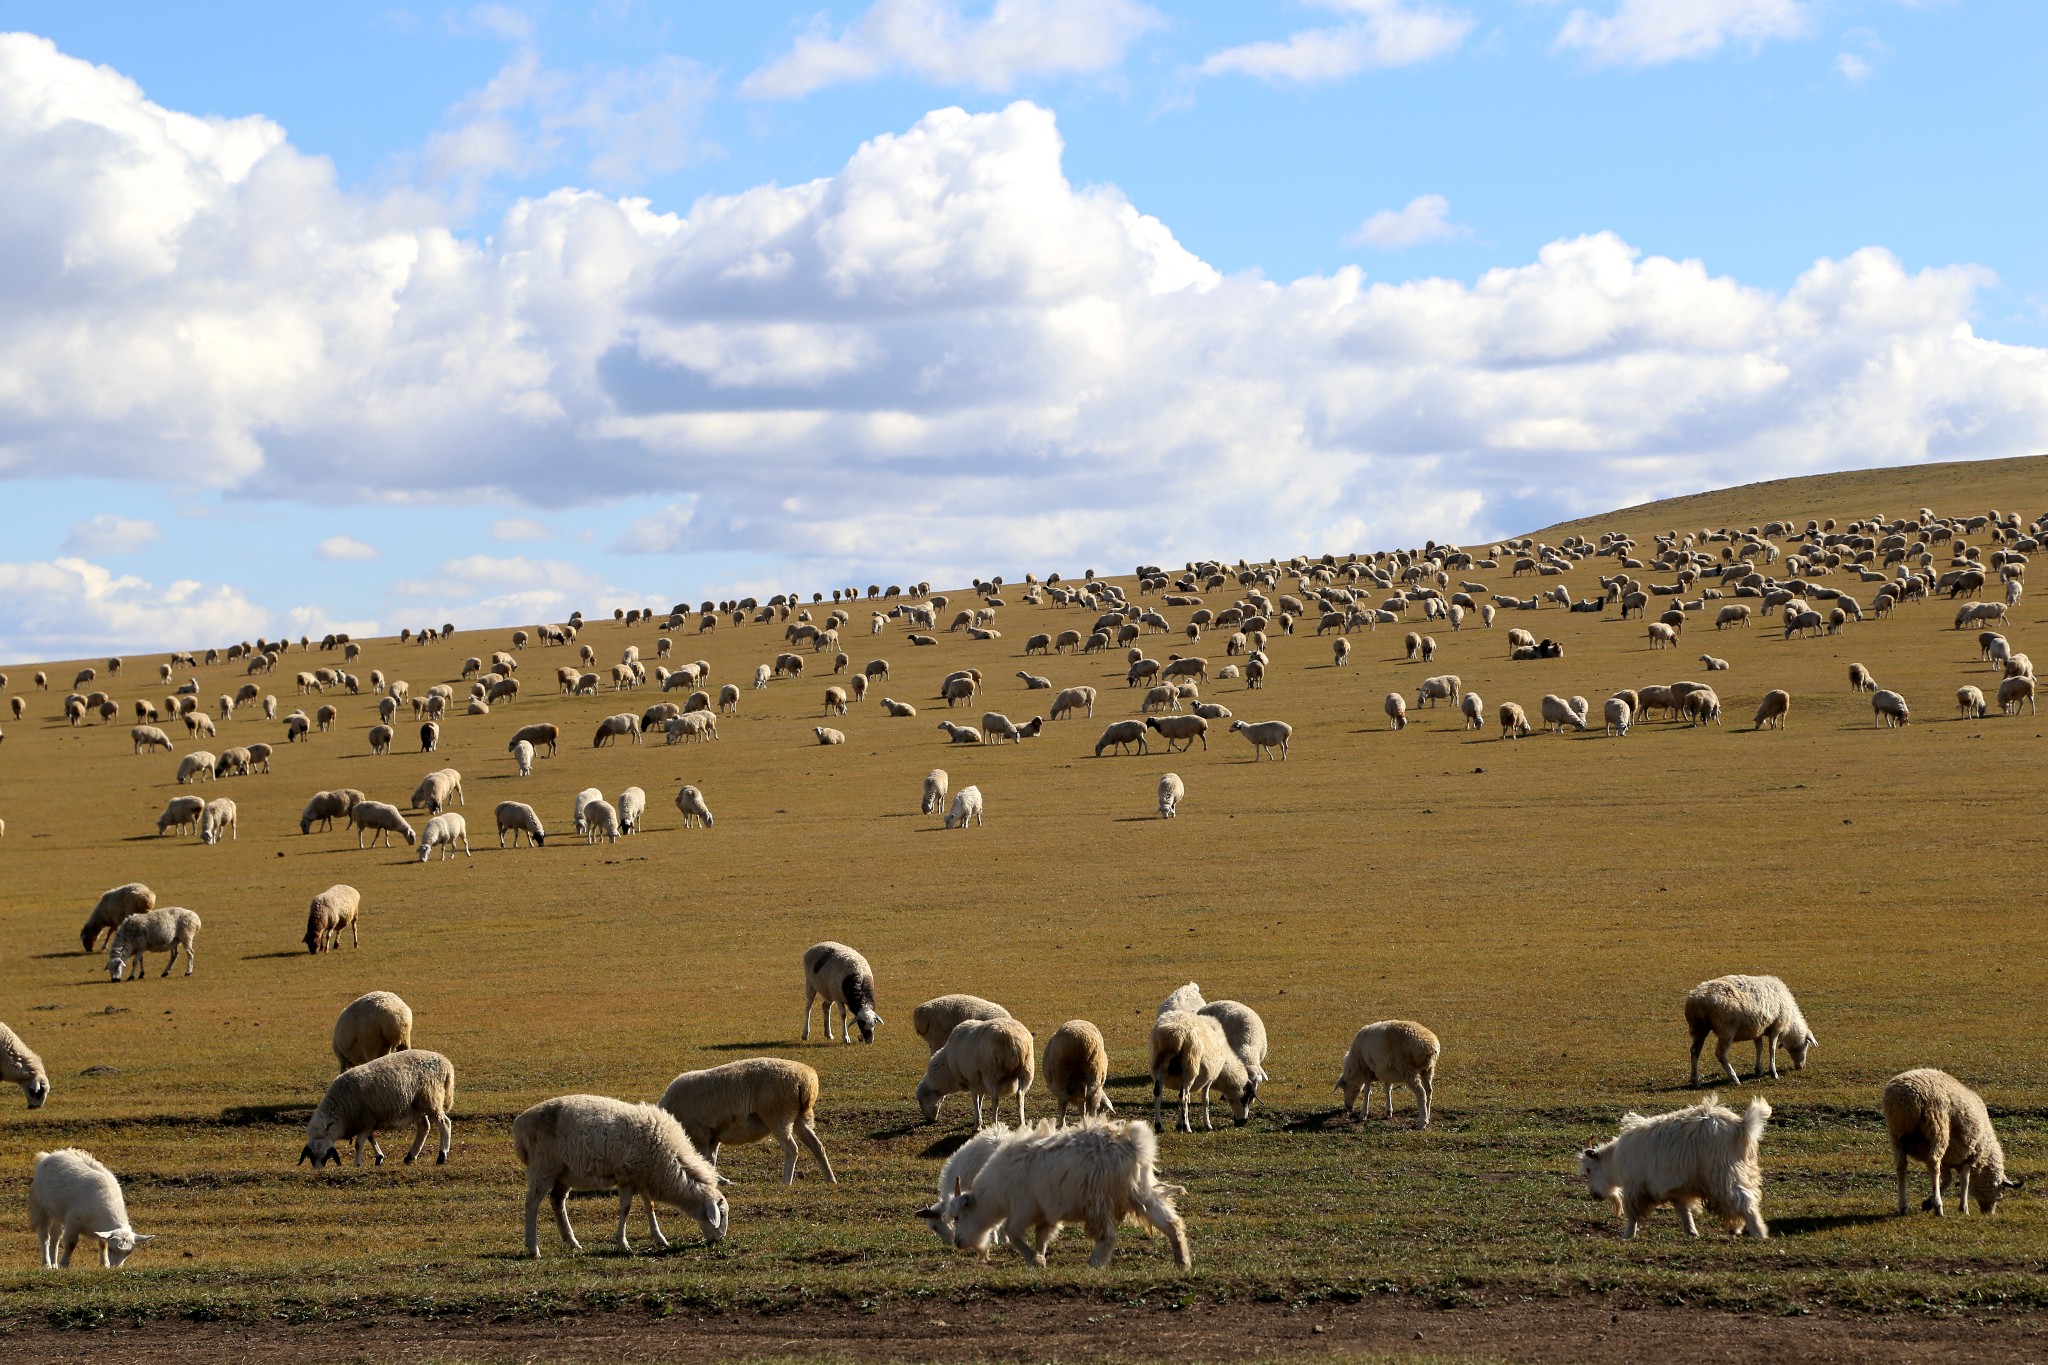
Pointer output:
x,y
339,317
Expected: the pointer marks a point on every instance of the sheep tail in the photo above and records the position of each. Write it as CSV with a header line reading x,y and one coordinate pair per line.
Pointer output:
x,y
1753,1121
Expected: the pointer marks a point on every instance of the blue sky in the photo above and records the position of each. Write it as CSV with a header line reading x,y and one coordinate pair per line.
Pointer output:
x,y
492,313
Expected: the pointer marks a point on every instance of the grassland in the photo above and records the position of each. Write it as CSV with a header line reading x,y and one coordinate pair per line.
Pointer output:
x,y
1543,905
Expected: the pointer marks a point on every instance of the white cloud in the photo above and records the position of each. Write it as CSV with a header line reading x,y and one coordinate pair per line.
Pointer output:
x,y
1653,32
68,607
111,534
344,548
521,528
1425,218
934,41
1387,33
659,533
1862,52
944,357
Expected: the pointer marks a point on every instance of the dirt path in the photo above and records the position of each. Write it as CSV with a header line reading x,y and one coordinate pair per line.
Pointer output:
x,y
1053,1329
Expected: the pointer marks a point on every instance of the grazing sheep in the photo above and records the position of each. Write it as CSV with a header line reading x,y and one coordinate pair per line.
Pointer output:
x,y
935,1020
1396,707
600,820
841,977
545,735
1076,1068
119,903
1890,709
1096,1174
1246,1033
632,810
330,912
983,1057
827,735
934,797
1186,729
1341,649
372,1026
181,813
1393,1050
2015,691
327,807
611,727
746,1101
961,1170
1264,735
1514,721
1443,687
1774,710
436,791
1473,708
1193,1053
1171,793
219,815
1702,1155
516,818
1970,703
1743,1009
147,738
522,757
430,736
1122,732
385,1092
1073,699
167,928
1735,614
20,1066
197,766
966,809
381,736
444,832
1935,1119
1559,713
379,820
1618,714
71,1195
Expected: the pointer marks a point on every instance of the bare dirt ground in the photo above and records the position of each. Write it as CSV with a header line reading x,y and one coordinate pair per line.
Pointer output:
x,y
1047,1329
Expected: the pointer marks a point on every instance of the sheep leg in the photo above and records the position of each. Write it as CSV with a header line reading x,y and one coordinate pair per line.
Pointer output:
x,y
64,1251
1934,1155
1685,1219
978,1119
1020,1108
786,1139
654,1223
535,1191
1721,1041
1156,1103
1773,1040
625,1207
1187,1124
1421,1093
1699,1042
1105,1244
1208,1123
559,1197
1963,1191
191,958
810,995
419,1139
1900,1158
447,1140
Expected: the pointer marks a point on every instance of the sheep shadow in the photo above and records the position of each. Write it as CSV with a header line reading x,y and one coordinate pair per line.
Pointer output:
x,y
946,1146
745,1047
900,1131
249,1115
1827,1222
1320,1122
265,957
49,957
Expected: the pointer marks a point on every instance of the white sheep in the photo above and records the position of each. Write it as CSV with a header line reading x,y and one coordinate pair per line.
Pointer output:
x,y
600,821
1935,1119
444,832
1264,735
19,1065
219,815
197,766
2015,692
1473,708
960,734
516,818
965,809
1774,710
1890,709
961,1170
1389,1052
327,914
934,796
1514,721
1702,1155
168,928
827,735
1617,715
843,978
582,805
592,1142
380,820
983,1057
371,1026
1096,1174
935,1020
1396,707
71,1195
1743,1009
1171,792
1193,1053
522,756
148,738
632,810
746,1101
690,803
415,1085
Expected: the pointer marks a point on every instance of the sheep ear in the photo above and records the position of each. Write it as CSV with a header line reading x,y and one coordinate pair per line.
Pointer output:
x,y
141,1237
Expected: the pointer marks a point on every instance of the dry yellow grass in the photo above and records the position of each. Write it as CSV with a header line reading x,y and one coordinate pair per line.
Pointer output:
x,y
1542,905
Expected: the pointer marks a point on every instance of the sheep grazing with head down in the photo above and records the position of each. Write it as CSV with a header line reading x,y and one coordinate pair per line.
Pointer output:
x,y
691,806
935,1020
168,928
116,905
1935,1119
372,1026
1702,1155
1774,710
961,1170
1890,709
1743,1009
1192,1053
330,912
71,1195
444,832
19,1065
1860,679
983,1057
842,977
591,1142
1390,1052
746,1101
1172,791
966,809
1097,1174
414,1086
1076,1069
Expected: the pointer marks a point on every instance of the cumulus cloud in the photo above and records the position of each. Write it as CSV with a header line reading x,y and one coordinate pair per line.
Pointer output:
x,y
69,607
662,532
933,40
344,548
944,357
110,534
1384,33
520,528
1653,32
1425,218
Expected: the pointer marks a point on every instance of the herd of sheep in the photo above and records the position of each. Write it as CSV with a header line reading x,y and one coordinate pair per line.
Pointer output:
x,y
1020,1185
